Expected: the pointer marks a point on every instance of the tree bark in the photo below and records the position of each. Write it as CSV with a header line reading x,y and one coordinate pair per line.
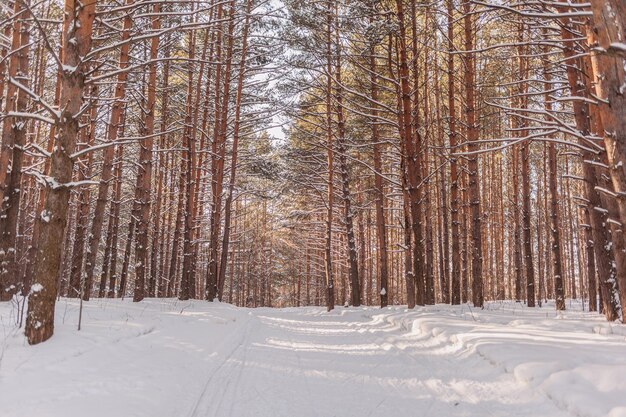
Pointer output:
x,y
330,291
77,30
381,227
608,61
410,154
144,176
82,212
353,271
217,164
109,264
455,274
472,137
12,151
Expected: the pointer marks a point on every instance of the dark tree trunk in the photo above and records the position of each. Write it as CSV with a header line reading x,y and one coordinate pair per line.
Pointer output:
x,y
12,151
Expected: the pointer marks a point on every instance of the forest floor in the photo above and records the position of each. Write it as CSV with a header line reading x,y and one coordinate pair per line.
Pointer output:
x,y
167,358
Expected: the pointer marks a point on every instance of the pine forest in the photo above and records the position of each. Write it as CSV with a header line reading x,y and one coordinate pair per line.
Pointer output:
x,y
407,207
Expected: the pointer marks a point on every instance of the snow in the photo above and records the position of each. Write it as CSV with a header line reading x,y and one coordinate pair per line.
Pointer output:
x,y
36,287
164,357
69,69
45,216
618,45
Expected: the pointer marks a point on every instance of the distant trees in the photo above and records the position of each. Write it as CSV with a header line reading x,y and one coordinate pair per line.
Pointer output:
x,y
497,122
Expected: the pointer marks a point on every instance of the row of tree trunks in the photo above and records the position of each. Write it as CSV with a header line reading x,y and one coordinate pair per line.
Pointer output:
x,y
381,229
82,213
411,146
218,150
409,251
234,155
529,261
107,164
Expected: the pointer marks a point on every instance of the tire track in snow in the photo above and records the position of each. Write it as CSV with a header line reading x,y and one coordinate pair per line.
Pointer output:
x,y
232,389
207,385
441,382
296,353
243,387
491,363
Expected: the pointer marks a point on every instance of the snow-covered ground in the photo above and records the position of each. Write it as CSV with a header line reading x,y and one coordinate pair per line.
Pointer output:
x,y
167,358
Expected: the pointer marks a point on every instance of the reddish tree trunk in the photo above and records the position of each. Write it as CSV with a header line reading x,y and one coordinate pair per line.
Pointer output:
x,y
144,176
234,155
330,290
77,29
108,153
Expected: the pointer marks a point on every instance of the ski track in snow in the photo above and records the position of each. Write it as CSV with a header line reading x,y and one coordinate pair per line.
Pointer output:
x,y
167,358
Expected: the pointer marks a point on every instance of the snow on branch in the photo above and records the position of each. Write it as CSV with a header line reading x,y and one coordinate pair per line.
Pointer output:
x,y
129,139
34,116
539,15
36,98
52,183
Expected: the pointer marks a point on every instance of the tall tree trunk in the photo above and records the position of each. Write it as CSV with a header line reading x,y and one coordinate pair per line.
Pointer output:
x,y
77,30
172,275
525,162
217,164
526,221
557,268
109,264
234,155
429,275
108,153
198,167
442,201
32,250
187,166
212,273
409,279
353,270
455,275
330,291
158,245
12,150
410,154
144,176
608,60
82,212
381,227
472,164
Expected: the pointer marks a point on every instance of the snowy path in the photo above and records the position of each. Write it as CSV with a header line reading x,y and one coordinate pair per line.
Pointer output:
x,y
194,359
313,365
